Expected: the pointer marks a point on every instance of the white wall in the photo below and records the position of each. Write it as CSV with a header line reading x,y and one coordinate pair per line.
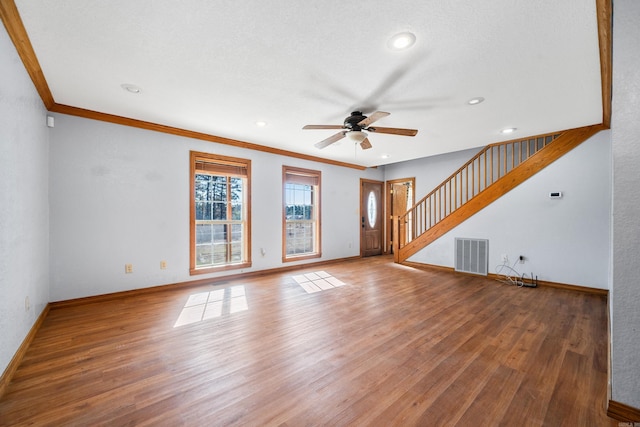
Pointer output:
x,y
121,195
24,198
625,293
563,240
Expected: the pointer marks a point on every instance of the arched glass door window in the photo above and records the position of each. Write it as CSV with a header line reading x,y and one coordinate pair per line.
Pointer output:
x,y
371,209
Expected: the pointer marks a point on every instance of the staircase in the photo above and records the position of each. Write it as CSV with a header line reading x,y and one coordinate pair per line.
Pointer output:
x,y
494,171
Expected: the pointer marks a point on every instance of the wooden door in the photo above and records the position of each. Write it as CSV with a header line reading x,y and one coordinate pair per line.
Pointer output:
x,y
401,198
371,224
398,208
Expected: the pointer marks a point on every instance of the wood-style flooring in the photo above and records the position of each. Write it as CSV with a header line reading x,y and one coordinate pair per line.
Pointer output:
x,y
393,345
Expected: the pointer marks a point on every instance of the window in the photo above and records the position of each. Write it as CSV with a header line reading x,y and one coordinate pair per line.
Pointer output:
x,y
301,214
220,207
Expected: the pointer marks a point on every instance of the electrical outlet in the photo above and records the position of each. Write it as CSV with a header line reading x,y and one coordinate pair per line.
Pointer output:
x,y
128,268
505,258
163,265
521,259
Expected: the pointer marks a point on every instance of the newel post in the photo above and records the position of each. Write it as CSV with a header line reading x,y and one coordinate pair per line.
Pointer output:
x,y
396,238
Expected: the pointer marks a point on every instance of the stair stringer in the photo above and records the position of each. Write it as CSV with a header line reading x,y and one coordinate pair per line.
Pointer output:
x,y
528,168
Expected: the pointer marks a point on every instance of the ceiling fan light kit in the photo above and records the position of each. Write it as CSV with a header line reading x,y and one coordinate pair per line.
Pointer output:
x,y
356,136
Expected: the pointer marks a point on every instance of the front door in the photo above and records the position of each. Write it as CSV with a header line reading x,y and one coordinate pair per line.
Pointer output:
x,y
371,225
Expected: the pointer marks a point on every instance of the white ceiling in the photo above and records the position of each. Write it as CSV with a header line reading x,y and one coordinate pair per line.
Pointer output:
x,y
219,66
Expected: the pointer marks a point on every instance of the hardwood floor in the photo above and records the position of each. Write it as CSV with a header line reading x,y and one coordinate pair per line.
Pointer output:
x,y
393,346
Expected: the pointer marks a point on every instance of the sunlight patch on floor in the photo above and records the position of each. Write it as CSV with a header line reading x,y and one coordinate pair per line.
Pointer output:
x,y
209,305
318,281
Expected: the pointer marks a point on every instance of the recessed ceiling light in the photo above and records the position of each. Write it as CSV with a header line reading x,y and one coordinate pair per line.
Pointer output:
x,y
508,130
130,88
402,41
261,123
475,101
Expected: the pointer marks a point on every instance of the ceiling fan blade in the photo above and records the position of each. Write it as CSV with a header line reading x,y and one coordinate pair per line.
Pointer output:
x,y
365,144
394,131
323,127
372,118
337,137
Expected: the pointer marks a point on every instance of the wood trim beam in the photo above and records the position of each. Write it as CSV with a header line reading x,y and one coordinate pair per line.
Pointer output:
x,y
15,28
125,121
621,412
605,38
11,368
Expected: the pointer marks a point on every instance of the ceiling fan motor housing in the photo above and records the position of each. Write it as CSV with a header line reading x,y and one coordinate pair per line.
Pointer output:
x,y
352,121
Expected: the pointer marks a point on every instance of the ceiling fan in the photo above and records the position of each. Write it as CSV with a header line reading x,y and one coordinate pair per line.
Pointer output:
x,y
354,127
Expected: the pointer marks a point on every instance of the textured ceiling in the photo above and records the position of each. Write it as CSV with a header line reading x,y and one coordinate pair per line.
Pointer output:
x,y
217,67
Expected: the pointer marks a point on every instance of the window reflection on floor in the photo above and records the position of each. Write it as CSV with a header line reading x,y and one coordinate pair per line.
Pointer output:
x,y
209,305
318,281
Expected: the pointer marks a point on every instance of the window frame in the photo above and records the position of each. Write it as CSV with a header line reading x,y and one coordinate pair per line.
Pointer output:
x,y
225,162
317,241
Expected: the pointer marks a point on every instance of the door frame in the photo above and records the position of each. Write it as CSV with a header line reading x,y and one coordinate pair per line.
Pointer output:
x,y
364,214
388,212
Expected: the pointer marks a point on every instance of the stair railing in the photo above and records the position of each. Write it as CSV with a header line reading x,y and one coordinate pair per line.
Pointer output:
x,y
489,165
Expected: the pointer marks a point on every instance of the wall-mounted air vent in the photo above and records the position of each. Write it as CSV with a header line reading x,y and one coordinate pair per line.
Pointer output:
x,y
472,255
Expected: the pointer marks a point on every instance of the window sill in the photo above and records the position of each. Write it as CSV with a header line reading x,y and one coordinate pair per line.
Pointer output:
x,y
291,258
209,270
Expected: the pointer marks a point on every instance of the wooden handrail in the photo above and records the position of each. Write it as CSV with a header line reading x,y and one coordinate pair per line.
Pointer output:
x,y
481,171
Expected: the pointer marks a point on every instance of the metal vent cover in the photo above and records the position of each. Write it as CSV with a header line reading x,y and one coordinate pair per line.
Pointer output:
x,y
472,255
